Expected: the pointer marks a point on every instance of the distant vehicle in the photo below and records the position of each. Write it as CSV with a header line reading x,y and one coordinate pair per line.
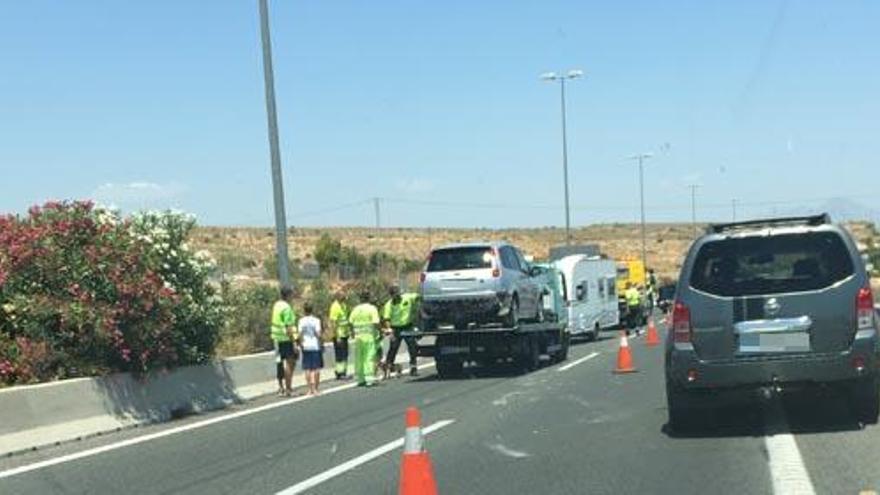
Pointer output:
x,y
590,294
554,292
772,304
490,283
479,283
665,296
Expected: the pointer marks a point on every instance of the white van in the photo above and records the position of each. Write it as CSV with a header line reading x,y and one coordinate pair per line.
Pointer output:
x,y
590,293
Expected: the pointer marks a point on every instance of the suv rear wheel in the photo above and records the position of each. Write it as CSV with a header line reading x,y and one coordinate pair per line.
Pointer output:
x,y
865,399
511,320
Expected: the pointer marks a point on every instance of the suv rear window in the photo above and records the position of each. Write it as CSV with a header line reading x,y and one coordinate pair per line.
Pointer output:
x,y
469,258
765,265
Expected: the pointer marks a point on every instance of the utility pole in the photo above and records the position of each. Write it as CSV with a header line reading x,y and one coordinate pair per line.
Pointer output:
x,y
274,149
552,76
378,214
733,208
641,157
693,188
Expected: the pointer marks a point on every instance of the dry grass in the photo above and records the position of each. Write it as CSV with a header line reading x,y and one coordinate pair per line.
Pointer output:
x,y
666,243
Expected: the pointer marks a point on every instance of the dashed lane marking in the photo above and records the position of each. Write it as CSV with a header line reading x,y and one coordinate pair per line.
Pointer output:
x,y
329,474
578,361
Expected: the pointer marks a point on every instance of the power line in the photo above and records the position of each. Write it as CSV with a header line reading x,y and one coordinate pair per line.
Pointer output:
x,y
583,207
331,209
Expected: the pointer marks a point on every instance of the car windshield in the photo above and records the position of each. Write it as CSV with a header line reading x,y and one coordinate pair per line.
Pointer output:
x,y
764,265
469,258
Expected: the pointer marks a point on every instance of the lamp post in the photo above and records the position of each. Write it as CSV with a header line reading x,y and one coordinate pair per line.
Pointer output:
x,y
561,78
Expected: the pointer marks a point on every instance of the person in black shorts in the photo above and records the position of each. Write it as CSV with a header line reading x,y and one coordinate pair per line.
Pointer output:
x,y
311,332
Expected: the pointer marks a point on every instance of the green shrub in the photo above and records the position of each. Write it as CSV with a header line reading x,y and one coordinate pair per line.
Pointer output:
x,y
247,323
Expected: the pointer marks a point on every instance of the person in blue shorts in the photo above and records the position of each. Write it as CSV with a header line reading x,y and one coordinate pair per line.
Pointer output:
x,y
311,333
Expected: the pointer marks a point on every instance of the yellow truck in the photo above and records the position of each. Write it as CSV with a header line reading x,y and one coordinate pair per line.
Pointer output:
x,y
629,271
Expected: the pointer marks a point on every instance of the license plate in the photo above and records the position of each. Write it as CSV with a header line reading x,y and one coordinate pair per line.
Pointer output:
x,y
774,342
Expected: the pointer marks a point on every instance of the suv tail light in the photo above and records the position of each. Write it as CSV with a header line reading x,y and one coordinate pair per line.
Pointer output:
x,y
422,277
865,309
681,323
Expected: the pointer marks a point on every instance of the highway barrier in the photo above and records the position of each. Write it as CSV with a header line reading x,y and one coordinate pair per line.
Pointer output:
x,y
33,416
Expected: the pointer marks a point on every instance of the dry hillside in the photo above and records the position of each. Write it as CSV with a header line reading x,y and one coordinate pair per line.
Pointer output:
x,y
248,248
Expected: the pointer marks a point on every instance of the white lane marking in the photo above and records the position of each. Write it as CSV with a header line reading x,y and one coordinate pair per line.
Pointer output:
x,y
578,361
172,431
357,461
787,468
507,451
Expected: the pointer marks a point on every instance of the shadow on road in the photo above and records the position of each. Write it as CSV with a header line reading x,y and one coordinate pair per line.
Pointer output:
x,y
475,371
805,412
579,341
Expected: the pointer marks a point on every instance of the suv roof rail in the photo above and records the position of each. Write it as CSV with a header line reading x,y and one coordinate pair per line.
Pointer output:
x,y
810,220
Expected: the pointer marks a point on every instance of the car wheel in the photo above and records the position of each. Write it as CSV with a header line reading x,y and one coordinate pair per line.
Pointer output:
x,y
865,398
539,314
511,320
530,358
595,335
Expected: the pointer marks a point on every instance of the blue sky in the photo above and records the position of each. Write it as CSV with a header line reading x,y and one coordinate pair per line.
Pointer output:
x,y
160,104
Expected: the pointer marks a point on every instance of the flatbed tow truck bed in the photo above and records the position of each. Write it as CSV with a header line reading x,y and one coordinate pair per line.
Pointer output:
x,y
523,344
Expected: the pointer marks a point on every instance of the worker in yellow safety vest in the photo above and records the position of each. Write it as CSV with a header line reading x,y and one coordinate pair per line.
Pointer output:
x,y
633,306
399,315
365,320
342,331
283,334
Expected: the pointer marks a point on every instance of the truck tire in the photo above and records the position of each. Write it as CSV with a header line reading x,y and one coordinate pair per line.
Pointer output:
x,y
595,335
530,353
865,399
562,354
448,367
511,320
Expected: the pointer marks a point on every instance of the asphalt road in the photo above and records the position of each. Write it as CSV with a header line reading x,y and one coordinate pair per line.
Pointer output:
x,y
565,429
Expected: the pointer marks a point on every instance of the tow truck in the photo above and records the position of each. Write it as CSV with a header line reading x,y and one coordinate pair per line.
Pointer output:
x,y
524,344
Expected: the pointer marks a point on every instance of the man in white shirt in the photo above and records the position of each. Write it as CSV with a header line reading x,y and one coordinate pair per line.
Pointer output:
x,y
310,340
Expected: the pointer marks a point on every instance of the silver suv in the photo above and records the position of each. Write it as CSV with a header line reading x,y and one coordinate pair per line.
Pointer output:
x,y
487,282
767,305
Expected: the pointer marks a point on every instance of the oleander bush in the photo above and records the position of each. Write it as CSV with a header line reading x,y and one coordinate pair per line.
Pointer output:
x,y
85,292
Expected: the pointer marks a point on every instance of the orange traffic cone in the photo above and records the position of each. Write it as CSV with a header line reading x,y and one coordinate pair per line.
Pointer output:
x,y
416,473
652,338
624,357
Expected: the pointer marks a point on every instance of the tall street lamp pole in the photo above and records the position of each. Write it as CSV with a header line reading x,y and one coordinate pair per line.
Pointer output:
x,y
553,76
274,150
641,157
693,188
